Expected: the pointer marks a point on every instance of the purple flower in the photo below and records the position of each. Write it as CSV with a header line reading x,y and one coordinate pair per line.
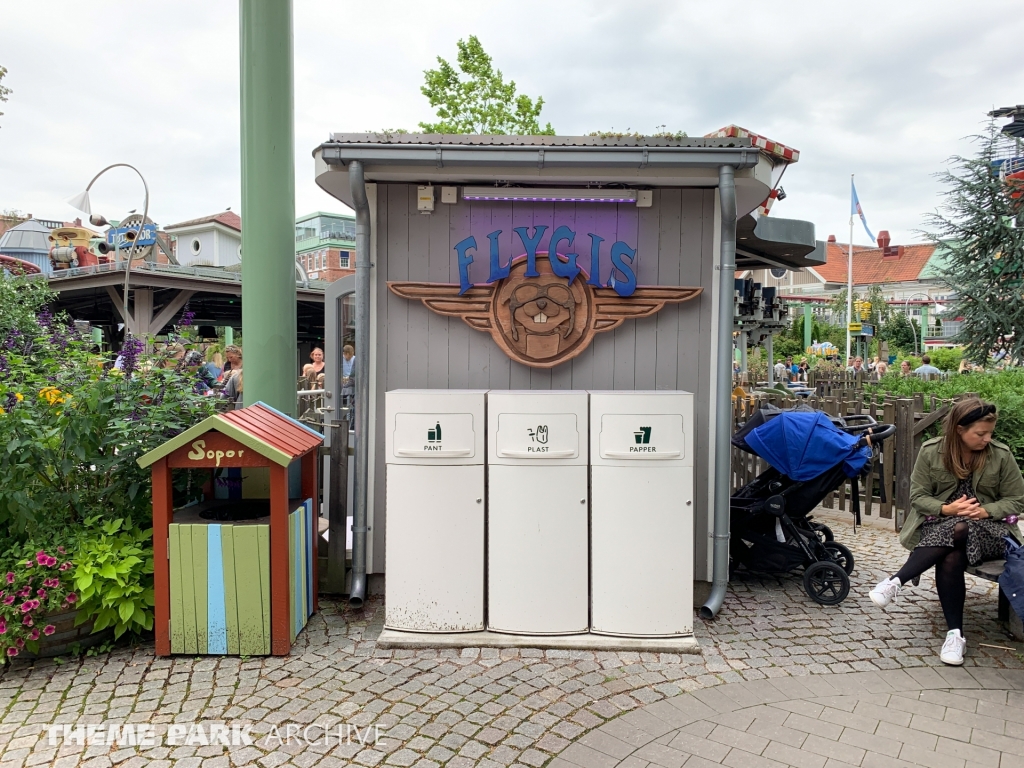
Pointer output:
x,y
5,367
186,317
130,351
45,318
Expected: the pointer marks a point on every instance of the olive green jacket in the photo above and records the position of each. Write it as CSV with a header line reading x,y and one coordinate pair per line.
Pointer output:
x,y
1000,489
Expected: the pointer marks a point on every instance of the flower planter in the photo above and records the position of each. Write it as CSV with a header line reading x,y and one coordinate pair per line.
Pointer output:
x,y
66,636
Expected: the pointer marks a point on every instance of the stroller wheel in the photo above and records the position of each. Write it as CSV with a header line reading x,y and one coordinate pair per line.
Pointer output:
x,y
823,532
826,583
840,554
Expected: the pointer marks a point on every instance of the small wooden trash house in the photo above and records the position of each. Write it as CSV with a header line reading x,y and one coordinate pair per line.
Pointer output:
x,y
237,573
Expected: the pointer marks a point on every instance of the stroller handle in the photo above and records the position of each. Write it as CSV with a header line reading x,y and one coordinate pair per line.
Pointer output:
x,y
877,434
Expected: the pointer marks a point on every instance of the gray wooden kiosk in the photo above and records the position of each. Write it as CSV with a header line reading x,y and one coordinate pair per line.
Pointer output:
x,y
443,222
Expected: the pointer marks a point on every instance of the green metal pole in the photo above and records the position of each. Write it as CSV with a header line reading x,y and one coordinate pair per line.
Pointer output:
x,y
808,324
268,203
229,336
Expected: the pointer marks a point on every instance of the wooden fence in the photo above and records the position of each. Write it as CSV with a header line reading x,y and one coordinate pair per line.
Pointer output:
x,y
886,490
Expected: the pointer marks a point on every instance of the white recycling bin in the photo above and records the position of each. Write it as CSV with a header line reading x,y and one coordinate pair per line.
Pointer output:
x,y
641,453
537,565
434,547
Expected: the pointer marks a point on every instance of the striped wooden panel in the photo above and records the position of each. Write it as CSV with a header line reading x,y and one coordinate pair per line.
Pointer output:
x,y
217,628
230,587
201,569
292,608
177,619
188,589
263,550
309,543
248,593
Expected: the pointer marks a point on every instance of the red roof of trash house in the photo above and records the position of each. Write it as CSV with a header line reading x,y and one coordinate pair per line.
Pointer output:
x,y
270,433
274,428
869,268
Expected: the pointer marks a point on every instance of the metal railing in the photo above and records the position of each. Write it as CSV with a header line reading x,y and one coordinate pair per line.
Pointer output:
x,y
205,273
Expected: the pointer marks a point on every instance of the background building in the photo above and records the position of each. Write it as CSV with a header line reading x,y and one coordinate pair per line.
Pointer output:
x,y
210,241
325,245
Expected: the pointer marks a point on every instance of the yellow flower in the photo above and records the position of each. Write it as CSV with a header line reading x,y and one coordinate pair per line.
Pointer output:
x,y
2,411
18,396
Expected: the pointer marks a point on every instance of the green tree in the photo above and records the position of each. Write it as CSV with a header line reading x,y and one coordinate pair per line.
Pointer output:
x,y
478,100
981,228
4,90
901,333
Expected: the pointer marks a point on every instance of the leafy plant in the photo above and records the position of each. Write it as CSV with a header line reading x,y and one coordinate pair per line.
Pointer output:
x,y
479,100
114,575
71,428
33,585
4,90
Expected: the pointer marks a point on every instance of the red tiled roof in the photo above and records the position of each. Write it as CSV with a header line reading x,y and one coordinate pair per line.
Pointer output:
x,y
275,429
869,268
227,218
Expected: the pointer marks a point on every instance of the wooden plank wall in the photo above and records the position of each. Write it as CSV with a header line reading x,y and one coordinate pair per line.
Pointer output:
x,y
417,348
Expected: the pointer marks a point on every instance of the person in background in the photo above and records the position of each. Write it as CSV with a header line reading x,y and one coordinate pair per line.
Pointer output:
x,y
857,366
905,368
348,361
233,361
781,371
314,368
926,368
234,387
803,369
965,367
881,368
214,363
966,493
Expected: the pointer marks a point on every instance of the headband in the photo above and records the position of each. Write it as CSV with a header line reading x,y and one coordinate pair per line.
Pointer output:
x,y
976,414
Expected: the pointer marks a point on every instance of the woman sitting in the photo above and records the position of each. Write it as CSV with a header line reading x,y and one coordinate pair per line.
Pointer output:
x,y
965,494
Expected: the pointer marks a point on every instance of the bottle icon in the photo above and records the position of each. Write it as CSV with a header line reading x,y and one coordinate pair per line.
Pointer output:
x,y
434,435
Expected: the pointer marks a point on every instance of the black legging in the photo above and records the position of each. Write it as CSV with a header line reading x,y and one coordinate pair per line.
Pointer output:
x,y
950,566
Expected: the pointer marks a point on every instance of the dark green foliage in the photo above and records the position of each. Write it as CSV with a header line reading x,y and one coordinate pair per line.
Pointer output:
x,y
982,229
478,101
901,333
1005,389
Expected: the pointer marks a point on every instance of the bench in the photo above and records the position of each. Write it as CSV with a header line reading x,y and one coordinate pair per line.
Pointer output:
x,y
990,570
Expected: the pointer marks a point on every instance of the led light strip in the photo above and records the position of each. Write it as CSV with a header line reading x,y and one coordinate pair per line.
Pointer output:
x,y
550,195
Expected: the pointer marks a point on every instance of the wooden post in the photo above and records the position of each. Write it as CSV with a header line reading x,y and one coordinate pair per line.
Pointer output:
x,y
280,596
904,457
311,490
338,510
163,514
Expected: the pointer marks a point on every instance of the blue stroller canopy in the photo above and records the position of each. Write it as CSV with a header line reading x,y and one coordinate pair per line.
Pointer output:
x,y
804,445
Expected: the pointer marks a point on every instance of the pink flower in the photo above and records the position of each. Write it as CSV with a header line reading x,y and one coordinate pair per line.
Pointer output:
x,y
42,557
3,626
50,561
29,563
41,593
49,629
12,651
27,621
9,600
10,577
20,643
62,550
29,605
24,591
51,583
65,566
72,597
33,635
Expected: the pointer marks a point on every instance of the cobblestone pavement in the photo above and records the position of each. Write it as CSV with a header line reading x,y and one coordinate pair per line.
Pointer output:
x,y
492,707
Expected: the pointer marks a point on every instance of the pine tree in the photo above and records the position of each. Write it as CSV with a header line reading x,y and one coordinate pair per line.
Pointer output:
x,y
981,228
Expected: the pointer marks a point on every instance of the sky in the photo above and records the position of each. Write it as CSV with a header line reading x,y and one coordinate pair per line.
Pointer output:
x,y
887,91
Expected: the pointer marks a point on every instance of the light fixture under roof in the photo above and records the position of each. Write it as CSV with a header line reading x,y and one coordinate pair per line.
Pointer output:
x,y
550,195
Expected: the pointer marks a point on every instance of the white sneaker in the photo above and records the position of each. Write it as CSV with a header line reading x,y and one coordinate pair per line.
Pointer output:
x,y
885,592
953,649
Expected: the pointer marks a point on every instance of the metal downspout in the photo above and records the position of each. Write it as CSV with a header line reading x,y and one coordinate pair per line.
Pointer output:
x,y
723,400
357,592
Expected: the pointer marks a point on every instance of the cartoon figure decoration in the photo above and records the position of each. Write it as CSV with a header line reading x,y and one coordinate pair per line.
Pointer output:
x,y
76,247
541,321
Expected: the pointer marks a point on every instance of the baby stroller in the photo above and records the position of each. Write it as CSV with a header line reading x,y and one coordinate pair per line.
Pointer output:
x,y
809,456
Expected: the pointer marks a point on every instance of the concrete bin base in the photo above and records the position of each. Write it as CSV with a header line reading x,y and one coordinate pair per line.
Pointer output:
x,y
391,638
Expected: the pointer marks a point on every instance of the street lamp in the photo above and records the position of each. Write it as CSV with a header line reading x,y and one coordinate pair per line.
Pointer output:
x,y
82,203
924,317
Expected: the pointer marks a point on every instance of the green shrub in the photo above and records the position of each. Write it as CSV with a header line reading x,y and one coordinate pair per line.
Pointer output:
x,y
946,359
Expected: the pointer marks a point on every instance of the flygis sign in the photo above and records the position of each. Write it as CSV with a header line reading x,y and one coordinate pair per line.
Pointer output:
x,y
543,307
